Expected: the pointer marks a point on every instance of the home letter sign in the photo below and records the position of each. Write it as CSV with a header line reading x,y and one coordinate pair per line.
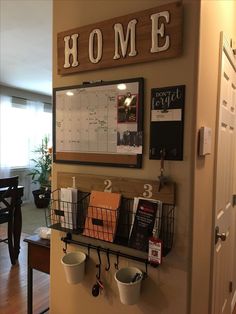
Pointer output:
x,y
139,37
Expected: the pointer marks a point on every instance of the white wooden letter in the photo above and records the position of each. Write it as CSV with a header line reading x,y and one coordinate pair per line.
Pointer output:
x,y
71,51
98,33
159,31
119,35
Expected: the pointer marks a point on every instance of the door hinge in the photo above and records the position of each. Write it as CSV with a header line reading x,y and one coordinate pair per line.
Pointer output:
x,y
231,286
234,200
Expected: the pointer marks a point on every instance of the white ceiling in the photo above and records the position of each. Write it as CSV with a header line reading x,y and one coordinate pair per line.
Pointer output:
x,y
26,44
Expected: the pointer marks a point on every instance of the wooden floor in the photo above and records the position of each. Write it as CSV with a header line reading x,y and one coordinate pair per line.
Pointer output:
x,y
13,283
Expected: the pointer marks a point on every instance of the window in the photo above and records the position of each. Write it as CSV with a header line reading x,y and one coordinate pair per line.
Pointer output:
x,y
23,124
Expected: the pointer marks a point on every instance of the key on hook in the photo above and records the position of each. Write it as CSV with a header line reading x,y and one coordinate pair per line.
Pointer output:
x,y
161,177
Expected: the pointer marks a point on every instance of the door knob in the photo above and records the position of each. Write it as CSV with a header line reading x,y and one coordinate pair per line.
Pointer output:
x,y
218,235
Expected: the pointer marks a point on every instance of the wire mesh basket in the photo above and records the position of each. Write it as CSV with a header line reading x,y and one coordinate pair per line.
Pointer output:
x,y
122,225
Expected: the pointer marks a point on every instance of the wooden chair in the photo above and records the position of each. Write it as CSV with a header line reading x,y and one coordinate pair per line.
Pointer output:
x,y
8,198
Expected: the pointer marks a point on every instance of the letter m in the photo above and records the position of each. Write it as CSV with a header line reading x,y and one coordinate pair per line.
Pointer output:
x,y
119,38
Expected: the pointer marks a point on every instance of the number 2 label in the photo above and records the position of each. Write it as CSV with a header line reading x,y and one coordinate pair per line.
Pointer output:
x,y
108,186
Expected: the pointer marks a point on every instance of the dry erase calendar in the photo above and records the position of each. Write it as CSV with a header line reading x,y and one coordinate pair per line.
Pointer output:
x,y
99,123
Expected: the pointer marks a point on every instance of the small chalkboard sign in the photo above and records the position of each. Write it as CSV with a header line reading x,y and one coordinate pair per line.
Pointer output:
x,y
167,122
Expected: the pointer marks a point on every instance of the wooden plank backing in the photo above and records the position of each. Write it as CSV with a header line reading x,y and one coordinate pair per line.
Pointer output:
x,y
128,187
143,40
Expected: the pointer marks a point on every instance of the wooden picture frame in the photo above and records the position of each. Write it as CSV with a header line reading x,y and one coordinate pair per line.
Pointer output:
x,y
99,123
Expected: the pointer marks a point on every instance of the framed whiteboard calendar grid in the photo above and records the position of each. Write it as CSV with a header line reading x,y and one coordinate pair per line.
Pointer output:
x,y
99,123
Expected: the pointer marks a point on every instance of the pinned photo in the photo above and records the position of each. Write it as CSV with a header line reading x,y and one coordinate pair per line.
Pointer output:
x,y
127,111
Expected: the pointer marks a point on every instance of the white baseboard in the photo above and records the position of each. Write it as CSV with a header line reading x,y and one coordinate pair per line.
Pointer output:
x,y
233,302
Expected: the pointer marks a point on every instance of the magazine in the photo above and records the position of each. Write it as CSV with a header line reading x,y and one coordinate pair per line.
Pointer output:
x,y
145,222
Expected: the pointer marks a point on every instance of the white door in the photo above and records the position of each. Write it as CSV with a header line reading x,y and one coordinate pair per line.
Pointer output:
x,y
223,196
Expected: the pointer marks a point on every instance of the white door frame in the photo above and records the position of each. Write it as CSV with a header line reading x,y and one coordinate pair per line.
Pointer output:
x,y
224,47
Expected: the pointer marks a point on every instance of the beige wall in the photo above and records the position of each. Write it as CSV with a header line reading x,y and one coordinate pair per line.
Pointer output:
x,y
166,289
216,16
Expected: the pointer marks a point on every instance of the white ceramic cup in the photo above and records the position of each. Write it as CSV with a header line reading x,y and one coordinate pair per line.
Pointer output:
x,y
129,290
74,266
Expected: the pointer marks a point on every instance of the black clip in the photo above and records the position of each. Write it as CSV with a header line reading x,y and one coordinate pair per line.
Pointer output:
x,y
165,108
68,236
108,261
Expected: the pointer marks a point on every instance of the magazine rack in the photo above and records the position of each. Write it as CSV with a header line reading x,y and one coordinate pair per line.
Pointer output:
x,y
111,226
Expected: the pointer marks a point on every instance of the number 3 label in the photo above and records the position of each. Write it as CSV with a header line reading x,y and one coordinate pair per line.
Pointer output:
x,y
147,190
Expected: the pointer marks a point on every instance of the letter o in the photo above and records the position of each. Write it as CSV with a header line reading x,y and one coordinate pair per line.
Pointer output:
x,y
98,33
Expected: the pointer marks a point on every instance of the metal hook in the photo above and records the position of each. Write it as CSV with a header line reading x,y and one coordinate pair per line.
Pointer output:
x,y
65,248
89,247
145,275
108,261
117,260
67,237
100,263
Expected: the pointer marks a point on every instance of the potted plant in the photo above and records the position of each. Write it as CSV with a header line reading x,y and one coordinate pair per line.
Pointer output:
x,y
41,173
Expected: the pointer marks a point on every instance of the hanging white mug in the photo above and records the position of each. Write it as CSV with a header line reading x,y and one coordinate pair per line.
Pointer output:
x,y
129,284
74,266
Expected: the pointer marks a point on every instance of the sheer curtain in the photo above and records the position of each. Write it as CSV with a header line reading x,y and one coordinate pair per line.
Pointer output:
x,y
5,105
32,129
23,124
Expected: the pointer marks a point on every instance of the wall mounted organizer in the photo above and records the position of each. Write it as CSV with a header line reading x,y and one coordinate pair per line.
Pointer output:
x,y
71,217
